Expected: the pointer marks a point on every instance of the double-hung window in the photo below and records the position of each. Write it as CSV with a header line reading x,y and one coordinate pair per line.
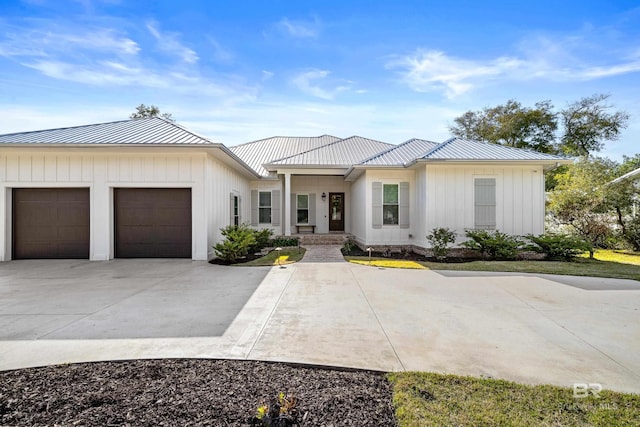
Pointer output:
x,y
390,204
236,210
264,207
303,209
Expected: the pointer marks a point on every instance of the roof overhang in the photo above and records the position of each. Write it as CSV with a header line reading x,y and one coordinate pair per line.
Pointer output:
x,y
338,170
546,164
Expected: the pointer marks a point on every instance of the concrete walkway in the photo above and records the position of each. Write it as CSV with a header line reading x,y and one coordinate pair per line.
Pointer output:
x,y
522,328
323,253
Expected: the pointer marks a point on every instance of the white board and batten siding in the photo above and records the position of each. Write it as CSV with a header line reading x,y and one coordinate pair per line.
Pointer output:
x,y
450,192
222,183
103,170
314,186
276,188
382,234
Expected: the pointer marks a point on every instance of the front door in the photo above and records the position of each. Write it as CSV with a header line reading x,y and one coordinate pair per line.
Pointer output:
x,y
336,211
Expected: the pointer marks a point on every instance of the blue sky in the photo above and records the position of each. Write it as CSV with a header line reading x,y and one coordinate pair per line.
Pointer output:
x,y
239,71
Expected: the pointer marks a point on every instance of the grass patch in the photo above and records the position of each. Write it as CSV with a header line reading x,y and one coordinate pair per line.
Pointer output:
x,y
389,263
428,399
287,256
623,257
579,267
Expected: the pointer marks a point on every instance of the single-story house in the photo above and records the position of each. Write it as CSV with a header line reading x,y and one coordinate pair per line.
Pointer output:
x,y
151,188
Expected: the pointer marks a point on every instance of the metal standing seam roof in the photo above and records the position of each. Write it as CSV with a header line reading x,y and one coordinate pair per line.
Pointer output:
x,y
257,153
465,149
344,152
401,154
151,130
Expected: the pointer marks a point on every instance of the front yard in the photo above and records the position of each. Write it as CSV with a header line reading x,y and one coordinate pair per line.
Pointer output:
x,y
607,263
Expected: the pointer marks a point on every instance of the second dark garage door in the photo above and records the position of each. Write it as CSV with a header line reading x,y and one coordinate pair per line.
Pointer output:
x,y
152,222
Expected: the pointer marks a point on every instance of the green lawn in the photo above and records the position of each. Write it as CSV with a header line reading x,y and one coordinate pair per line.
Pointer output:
x,y
427,399
613,264
270,259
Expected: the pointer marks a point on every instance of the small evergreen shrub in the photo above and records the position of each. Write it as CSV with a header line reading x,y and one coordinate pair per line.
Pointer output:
x,y
559,246
283,241
263,237
239,239
493,245
632,233
440,239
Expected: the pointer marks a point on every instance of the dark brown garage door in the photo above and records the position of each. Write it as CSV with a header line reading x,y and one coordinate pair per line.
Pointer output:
x,y
50,223
152,222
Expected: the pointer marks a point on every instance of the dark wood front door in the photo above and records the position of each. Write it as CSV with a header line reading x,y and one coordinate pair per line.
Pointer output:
x,y
50,223
336,211
152,222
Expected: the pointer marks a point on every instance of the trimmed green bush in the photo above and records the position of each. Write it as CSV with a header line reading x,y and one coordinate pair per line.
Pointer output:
x,y
559,246
284,241
493,245
440,239
239,239
263,237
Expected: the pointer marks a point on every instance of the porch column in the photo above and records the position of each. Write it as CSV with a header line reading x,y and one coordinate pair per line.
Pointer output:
x,y
287,204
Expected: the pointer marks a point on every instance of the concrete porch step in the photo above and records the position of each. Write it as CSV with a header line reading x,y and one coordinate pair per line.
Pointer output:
x,y
322,239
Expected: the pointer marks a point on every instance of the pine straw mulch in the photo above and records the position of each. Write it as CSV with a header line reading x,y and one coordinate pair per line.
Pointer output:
x,y
190,392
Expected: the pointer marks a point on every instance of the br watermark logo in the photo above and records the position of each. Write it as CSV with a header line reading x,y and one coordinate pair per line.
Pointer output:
x,y
582,390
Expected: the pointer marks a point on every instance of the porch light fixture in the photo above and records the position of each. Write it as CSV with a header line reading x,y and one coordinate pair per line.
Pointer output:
x,y
324,196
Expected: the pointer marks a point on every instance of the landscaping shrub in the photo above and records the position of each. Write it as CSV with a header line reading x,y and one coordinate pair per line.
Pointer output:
x,y
493,245
263,238
284,241
440,239
559,246
239,239
632,233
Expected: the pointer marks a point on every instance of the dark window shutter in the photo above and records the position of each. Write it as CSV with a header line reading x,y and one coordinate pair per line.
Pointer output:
x,y
275,208
403,207
254,207
485,203
376,205
312,208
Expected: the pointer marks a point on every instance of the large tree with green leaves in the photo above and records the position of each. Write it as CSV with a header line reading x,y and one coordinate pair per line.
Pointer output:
x,y
586,201
589,123
149,111
511,124
586,125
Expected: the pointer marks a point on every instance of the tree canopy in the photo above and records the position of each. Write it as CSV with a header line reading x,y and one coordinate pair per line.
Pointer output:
x,y
586,125
150,111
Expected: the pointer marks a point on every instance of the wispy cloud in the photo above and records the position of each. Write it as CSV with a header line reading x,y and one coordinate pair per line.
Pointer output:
x,y
168,42
307,83
538,58
54,40
300,28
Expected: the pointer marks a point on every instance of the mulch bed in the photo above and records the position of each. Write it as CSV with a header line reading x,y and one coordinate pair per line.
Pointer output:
x,y
190,392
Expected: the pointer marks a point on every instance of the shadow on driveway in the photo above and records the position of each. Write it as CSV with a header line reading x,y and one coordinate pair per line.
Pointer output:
x,y
72,299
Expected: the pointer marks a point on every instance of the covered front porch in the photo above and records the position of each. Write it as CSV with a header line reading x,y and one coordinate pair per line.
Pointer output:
x,y
315,203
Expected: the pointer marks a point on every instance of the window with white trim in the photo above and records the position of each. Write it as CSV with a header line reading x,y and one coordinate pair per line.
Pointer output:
x,y
302,209
390,204
264,207
236,210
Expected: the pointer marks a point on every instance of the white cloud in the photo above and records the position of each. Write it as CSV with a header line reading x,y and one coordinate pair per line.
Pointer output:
x,y
169,43
54,40
299,28
266,75
219,53
540,58
304,82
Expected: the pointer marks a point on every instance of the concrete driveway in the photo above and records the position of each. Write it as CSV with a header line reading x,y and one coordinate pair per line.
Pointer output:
x,y
69,299
523,328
